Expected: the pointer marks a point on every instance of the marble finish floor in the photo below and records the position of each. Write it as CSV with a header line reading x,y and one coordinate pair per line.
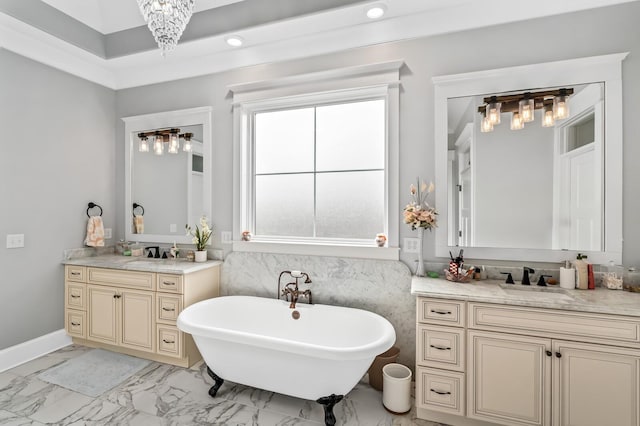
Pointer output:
x,y
162,394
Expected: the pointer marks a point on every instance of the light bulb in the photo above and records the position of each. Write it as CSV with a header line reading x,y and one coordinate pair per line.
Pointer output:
x,y
526,109
158,145
516,121
143,145
173,143
486,125
547,116
186,146
560,107
493,112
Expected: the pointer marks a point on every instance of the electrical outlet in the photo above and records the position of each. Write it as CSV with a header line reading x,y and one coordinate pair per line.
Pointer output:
x,y
411,245
107,233
226,237
15,240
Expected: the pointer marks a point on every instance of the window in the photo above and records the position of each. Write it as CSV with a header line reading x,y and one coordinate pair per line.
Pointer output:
x,y
319,171
316,160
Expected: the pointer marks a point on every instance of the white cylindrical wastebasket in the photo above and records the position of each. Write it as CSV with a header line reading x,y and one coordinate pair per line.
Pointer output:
x,y
396,388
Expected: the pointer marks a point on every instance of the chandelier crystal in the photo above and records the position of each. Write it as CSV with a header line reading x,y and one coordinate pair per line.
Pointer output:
x,y
166,19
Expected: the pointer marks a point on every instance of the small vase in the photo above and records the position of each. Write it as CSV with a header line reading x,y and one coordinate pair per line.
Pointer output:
x,y
420,268
201,256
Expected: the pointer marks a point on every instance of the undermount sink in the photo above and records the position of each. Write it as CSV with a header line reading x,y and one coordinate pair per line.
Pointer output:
x,y
533,287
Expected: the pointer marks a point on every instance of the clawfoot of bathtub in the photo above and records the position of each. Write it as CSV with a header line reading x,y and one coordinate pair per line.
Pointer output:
x,y
218,382
328,402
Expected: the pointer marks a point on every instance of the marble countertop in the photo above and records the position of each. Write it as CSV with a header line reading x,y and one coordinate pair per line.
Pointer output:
x,y
600,300
143,264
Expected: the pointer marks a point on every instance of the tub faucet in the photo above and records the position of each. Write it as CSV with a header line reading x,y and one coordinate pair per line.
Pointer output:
x,y
291,289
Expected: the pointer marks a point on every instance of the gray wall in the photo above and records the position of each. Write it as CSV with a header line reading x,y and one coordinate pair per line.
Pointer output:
x,y
56,155
556,38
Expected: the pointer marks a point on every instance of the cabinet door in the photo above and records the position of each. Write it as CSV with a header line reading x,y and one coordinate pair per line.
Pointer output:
x,y
595,385
509,379
102,314
138,325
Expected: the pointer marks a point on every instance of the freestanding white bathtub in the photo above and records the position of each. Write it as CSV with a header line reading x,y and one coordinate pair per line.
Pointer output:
x,y
257,342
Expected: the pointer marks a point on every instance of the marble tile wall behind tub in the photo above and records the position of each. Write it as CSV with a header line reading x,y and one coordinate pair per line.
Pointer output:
x,y
379,286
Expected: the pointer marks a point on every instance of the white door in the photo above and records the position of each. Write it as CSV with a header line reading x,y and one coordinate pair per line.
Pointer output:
x,y
585,200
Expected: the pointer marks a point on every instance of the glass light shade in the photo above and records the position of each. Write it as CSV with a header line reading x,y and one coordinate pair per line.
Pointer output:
x,y
493,112
158,146
186,146
547,116
143,145
486,125
526,109
173,143
560,107
516,121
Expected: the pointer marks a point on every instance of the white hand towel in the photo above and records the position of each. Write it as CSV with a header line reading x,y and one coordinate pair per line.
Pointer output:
x,y
138,224
95,232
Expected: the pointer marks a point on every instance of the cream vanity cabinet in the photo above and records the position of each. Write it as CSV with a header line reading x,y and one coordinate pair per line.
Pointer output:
x,y
532,366
135,312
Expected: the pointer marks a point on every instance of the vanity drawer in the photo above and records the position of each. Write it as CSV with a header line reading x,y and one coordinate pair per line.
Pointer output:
x,y
75,296
118,278
440,311
75,273
553,323
169,306
170,283
169,341
441,347
75,323
439,390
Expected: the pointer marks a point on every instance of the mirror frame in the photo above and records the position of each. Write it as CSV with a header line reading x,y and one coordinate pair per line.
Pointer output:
x,y
607,69
161,120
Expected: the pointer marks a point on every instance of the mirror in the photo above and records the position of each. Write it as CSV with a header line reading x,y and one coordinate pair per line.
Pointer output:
x,y
165,192
536,193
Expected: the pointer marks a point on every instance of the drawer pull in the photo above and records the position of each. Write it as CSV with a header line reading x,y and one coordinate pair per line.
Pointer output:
x,y
75,296
75,324
440,348
169,309
441,312
75,273
168,283
169,341
440,393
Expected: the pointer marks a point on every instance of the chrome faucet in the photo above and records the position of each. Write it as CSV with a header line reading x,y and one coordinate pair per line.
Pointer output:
x,y
291,289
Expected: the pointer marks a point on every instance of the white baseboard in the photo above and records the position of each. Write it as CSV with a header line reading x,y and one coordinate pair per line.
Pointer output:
x,y
34,348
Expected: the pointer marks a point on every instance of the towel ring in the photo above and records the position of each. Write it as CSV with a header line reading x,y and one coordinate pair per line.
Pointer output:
x,y
135,206
92,205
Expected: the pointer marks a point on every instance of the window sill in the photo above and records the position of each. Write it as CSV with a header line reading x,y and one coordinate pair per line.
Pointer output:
x,y
315,249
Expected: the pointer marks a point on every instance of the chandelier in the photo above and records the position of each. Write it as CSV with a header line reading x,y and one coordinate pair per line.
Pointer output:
x,y
167,20
159,138
553,103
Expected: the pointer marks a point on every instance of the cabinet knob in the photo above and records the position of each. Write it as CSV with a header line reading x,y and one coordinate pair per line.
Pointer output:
x,y
549,353
440,392
558,355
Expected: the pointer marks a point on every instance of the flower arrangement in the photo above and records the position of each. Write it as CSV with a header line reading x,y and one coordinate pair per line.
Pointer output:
x,y
200,235
418,213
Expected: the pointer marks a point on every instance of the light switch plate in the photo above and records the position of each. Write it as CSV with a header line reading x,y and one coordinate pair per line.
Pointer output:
x,y
15,240
410,245
107,233
226,237
173,227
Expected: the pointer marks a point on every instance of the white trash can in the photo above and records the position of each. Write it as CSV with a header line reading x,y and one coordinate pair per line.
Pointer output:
x,y
396,388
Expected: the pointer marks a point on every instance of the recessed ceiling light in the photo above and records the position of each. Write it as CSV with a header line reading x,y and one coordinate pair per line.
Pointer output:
x,y
376,11
235,41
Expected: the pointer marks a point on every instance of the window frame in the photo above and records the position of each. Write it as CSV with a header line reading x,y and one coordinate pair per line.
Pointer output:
x,y
362,83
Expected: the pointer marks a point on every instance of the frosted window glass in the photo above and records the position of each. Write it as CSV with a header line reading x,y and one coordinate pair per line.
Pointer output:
x,y
351,136
350,205
284,141
284,205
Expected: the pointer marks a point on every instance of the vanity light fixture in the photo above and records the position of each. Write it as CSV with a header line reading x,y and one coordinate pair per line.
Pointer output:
x,y
554,103
235,41
169,136
166,20
376,11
